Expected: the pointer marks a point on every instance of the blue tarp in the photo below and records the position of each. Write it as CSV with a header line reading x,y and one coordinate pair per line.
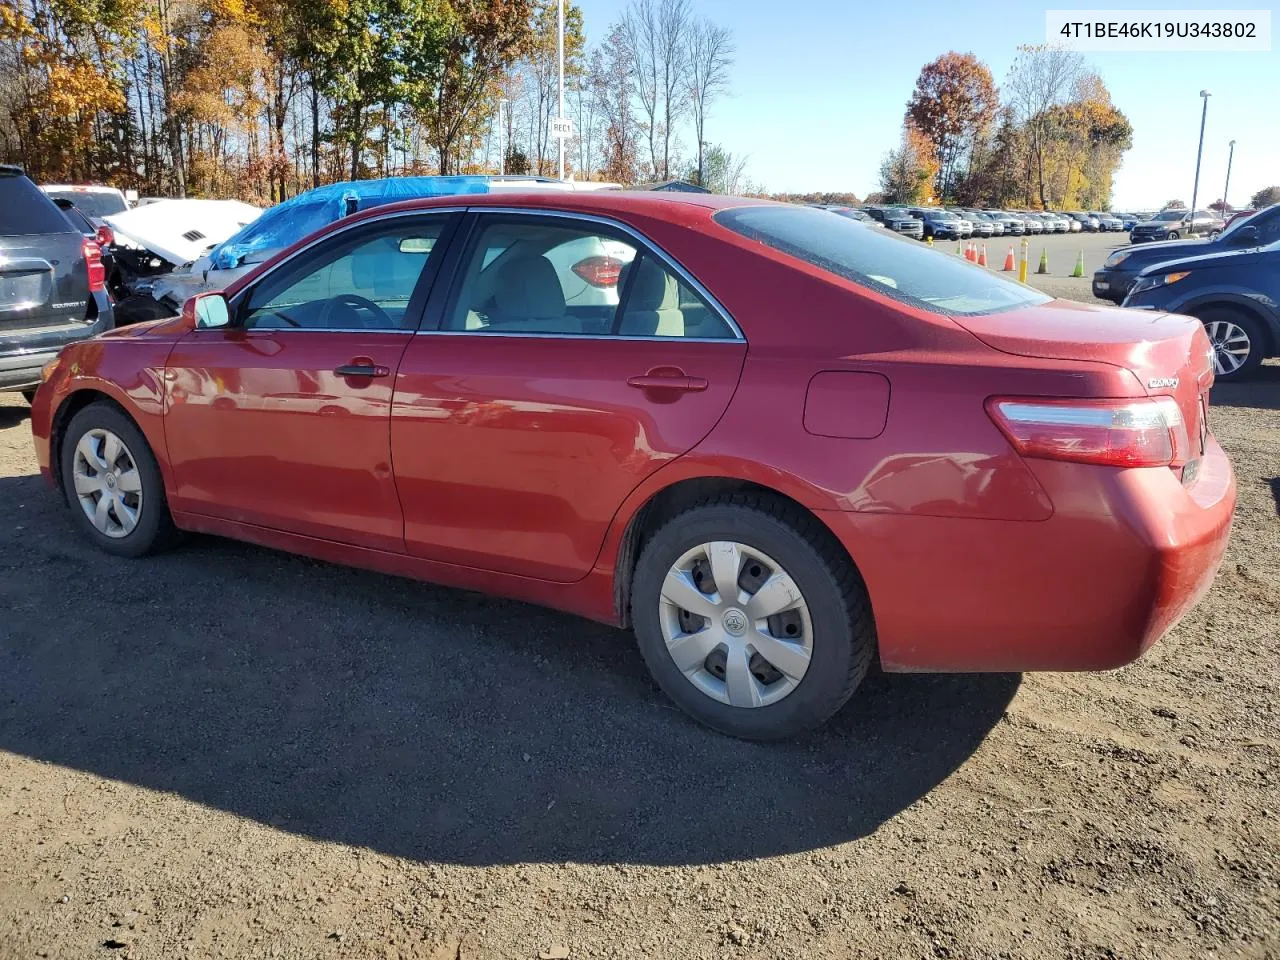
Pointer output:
x,y
298,216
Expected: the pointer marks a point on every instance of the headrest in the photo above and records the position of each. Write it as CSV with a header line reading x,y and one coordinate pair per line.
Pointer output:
x,y
529,287
652,288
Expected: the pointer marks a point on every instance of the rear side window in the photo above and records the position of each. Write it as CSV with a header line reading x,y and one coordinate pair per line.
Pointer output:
x,y
24,209
95,203
916,275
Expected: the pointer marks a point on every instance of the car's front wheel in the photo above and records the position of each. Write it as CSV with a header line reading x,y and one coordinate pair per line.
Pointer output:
x,y
1173,235
1237,340
751,618
113,483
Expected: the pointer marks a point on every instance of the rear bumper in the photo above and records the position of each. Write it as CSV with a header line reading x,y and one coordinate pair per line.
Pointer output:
x,y
23,353
1125,555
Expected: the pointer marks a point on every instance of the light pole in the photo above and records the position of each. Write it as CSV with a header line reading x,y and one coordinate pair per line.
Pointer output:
x,y
502,147
1230,155
1195,188
560,58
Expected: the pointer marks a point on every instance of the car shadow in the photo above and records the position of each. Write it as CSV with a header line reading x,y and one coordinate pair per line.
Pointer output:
x,y
1274,484
13,414
1261,390
426,723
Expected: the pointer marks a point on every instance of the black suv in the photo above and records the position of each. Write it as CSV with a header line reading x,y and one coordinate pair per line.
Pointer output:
x,y
1175,224
1117,274
896,219
53,287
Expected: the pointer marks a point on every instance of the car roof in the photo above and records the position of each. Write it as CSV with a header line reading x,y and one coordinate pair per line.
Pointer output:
x,y
660,205
81,187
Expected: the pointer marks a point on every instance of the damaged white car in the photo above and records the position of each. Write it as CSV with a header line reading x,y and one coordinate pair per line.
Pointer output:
x,y
157,248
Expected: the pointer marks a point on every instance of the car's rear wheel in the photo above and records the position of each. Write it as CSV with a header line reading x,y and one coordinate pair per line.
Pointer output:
x,y
1237,339
113,483
751,618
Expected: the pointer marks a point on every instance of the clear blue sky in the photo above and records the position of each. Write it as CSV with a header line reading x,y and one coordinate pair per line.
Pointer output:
x,y
820,87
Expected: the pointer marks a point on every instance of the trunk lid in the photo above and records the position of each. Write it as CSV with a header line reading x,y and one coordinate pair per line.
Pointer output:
x,y
1168,353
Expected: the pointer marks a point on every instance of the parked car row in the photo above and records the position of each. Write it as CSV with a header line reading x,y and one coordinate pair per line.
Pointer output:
x,y
958,223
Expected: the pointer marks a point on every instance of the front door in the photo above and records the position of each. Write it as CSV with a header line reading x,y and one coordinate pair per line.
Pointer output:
x,y
283,419
568,364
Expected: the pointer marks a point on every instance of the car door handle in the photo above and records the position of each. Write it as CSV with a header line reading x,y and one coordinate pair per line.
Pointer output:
x,y
362,370
658,382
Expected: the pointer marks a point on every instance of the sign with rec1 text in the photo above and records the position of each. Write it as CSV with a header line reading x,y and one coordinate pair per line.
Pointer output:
x,y
561,127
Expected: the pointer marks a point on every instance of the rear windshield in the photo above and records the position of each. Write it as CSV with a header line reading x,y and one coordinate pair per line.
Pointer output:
x,y
92,203
24,209
911,273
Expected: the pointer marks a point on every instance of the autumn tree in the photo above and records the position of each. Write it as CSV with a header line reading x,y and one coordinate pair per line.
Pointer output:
x,y
612,76
1042,77
709,52
907,171
953,103
542,65
479,41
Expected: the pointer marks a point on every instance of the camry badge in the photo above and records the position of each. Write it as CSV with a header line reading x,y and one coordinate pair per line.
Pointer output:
x,y
1159,383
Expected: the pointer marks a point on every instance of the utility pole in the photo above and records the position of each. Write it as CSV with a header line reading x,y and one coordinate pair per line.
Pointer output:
x,y
1230,156
560,58
1195,188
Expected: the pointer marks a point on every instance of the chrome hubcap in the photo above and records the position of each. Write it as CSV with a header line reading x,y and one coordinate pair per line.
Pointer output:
x,y
736,624
107,483
1231,346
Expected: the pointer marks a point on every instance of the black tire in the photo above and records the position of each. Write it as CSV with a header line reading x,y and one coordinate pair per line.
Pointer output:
x,y
844,640
1173,235
29,396
1253,329
154,530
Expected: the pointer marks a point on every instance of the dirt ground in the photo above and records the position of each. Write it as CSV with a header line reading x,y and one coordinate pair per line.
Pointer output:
x,y
229,752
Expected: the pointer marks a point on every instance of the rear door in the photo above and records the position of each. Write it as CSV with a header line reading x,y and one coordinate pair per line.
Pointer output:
x,y
568,363
44,281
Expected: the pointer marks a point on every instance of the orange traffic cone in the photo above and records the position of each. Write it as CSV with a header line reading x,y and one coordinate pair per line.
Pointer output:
x,y
968,252
982,257
1009,264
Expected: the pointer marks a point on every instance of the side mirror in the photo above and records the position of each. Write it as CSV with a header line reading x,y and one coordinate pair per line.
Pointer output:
x,y
207,311
1243,235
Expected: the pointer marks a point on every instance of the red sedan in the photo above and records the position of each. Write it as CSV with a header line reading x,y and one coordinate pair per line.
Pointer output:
x,y
774,442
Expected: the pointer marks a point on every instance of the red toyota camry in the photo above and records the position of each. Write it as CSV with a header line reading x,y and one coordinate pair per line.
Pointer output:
x,y
774,442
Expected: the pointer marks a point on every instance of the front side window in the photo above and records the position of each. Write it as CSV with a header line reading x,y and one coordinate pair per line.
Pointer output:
x,y
542,276
912,274
362,280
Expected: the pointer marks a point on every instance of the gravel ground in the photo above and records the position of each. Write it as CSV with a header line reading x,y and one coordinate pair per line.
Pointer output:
x,y
230,752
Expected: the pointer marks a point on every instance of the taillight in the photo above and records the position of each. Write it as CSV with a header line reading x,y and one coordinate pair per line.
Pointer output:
x,y
1148,432
599,271
93,260
105,236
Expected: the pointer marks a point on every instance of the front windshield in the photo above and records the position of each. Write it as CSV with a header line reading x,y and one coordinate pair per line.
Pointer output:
x,y
92,204
1170,215
907,272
